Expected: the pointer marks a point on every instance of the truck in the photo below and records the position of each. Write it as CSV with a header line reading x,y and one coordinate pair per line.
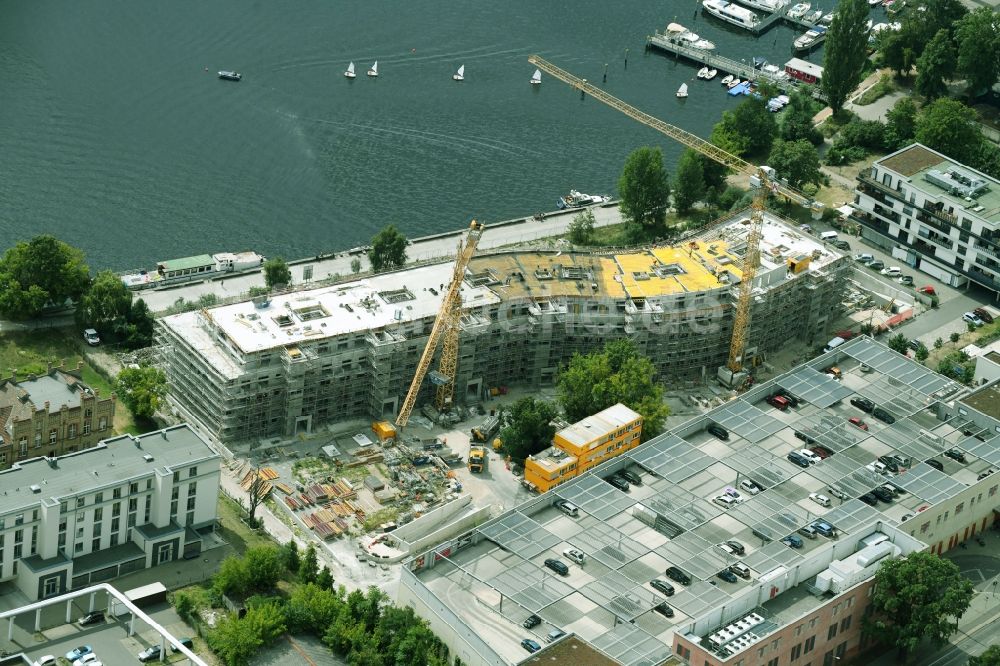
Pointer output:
x,y
477,459
486,429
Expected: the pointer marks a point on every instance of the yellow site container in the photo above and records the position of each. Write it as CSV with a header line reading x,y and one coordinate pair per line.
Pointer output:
x,y
798,264
384,430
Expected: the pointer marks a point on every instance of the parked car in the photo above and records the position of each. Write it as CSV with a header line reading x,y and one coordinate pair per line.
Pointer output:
x,y
906,280
841,244
927,289
727,576
971,318
876,265
883,416
570,510
824,528
91,336
864,258
869,499
890,463
554,635
750,486
531,622
792,541
149,654
821,451
678,576
792,399
717,430
914,344
664,610
558,566
725,501
820,499
618,482
810,456
779,402
936,464
76,653
47,660
798,459
837,493
630,476
663,587
736,546
892,271
983,314
575,555
864,404
186,642
88,660
530,645
807,532
883,494
858,423
93,617
955,455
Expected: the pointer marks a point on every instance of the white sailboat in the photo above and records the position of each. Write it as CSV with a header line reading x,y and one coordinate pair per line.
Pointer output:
x,y
536,78
703,73
350,71
460,74
683,90
374,70
711,74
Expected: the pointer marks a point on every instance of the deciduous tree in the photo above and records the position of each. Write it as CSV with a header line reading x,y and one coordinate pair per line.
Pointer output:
x,y
140,326
797,121
900,124
644,191
936,65
898,343
355,265
845,52
916,597
529,428
277,273
141,389
752,119
309,566
948,126
689,185
105,306
263,568
978,42
388,250
989,658
796,161
581,228
41,272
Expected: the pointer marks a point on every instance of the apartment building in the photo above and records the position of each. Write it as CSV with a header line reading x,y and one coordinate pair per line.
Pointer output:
x,y
51,415
586,443
277,367
933,214
125,504
749,568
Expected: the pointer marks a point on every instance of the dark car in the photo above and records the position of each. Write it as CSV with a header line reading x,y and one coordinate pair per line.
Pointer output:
x,y
557,566
663,587
718,431
955,455
936,464
824,528
664,610
864,404
792,541
531,622
804,437
883,416
890,463
618,482
798,459
869,499
678,576
914,344
736,547
877,265
93,617
727,576
883,494
530,645
841,245
186,642
821,451
631,477
983,314
149,654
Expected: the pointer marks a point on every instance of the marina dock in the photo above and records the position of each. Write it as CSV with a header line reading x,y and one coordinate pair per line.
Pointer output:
x,y
743,70
781,15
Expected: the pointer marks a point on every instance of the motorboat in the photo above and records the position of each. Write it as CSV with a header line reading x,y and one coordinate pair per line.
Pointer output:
x,y
732,84
350,71
682,92
874,3
799,10
812,37
578,199
230,76
769,6
373,72
775,72
678,33
826,19
731,13
727,79
536,78
703,73
813,16
460,74
711,74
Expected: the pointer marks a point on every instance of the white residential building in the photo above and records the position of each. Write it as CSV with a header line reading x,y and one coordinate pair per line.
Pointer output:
x,y
933,214
126,504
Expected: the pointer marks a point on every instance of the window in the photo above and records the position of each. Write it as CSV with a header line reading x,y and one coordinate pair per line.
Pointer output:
x,y
809,645
71,431
52,436
845,624
190,504
50,586
773,662
133,504
133,488
95,545
959,508
831,632
116,510
78,547
796,652
192,488
98,515
192,472
38,440
841,649
924,528
102,423
993,491
98,498
828,658
177,476
86,428
113,541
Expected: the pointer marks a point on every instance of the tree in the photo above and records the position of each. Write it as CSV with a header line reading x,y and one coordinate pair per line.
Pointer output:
x,y
277,273
355,265
388,250
900,124
617,373
922,353
898,343
978,42
141,389
324,580
954,336
935,65
529,428
796,161
916,597
290,556
232,642
263,567
948,126
752,119
798,120
309,566
895,51
989,658
256,494
231,576
105,306
581,228
140,326
42,272
938,343
184,605
644,191
845,52
689,185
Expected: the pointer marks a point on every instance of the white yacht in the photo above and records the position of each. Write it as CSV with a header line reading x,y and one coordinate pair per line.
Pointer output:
x,y
799,10
769,6
678,33
731,13
812,37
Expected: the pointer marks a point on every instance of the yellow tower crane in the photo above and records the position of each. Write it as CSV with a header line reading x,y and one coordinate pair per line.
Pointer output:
x,y
761,179
447,324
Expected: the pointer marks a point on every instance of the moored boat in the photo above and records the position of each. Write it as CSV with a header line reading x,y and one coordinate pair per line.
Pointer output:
x,y
703,73
711,74
769,6
678,33
578,199
799,10
731,13
812,37
727,79
732,84
226,75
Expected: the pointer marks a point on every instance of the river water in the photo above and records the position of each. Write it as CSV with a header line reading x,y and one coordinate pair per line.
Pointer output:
x,y
116,135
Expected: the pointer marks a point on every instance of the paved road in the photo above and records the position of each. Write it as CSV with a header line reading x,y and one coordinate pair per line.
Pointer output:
x,y
422,249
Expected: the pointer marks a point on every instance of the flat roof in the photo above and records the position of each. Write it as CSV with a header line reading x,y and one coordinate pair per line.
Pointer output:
x,y
916,161
986,400
183,263
596,426
111,462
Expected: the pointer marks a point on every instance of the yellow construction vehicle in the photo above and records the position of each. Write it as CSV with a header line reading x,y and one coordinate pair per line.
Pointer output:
x,y
762,180
477,459
446,324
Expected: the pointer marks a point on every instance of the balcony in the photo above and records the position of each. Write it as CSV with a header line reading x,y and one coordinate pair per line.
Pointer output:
x,y
991,250
868,220
936,239
878,191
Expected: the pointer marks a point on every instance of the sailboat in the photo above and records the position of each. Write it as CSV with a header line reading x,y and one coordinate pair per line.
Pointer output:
x,y
350,71
683,90
536,78
374,70
460,74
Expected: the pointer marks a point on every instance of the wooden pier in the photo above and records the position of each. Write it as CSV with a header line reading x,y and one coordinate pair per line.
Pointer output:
x,y
743,70
780,15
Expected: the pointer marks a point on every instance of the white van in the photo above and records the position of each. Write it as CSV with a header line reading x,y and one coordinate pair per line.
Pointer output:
x,y
828,236
834,343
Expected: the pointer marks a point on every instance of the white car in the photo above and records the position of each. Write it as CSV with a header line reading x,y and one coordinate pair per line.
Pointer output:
x,y
725,500
749,486
972,318
575,555
47,660
88,660
809,455
92,338
820,499
892,271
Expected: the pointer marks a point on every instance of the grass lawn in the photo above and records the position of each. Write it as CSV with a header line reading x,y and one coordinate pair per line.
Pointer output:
x,y
235,531
28,353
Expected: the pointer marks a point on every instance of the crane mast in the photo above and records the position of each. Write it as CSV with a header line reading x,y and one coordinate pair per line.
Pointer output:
x,y
760,180
447,324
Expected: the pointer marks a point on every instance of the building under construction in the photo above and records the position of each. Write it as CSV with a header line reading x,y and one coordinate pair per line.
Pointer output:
x,y
277,367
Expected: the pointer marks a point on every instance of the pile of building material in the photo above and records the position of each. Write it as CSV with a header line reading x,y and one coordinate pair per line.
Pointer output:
x,y
266,476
